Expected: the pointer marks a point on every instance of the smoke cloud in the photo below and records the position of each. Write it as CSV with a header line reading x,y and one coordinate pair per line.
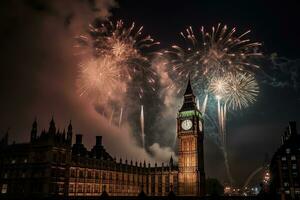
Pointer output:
x,y
41,74
170,104
281,72
162,154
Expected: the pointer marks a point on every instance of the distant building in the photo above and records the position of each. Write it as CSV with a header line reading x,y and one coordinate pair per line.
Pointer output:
x,y
50,166
285,166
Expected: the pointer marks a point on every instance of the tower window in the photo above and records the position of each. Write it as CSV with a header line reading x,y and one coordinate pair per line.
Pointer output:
x,y
286,184
89,174
97,188
103,187
4,189
283,158
284,166
88,189
80,188
81,175
293,157
288,150
71,188
287,192
295,174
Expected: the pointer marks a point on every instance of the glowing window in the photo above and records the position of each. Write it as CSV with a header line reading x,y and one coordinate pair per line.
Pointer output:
x,y
288,151
286,184
4,189
293,157
283,158
80,188
295,174
71,188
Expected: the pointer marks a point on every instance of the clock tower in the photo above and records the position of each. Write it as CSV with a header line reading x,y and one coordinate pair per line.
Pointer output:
x,y
190,133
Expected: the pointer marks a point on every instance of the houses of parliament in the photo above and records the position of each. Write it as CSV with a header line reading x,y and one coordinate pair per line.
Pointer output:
x,y
50,165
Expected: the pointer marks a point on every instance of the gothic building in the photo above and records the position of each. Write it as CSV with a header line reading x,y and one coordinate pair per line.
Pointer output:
x,y
49,165
284,167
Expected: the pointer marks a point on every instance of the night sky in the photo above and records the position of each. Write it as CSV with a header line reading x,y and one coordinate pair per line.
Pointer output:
x,y
39,70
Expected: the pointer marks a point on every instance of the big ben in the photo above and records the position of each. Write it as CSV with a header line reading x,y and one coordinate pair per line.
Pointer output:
x,y
190,133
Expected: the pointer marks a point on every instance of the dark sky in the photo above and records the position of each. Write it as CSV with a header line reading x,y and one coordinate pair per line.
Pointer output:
x,y
38,69
257,130
272,22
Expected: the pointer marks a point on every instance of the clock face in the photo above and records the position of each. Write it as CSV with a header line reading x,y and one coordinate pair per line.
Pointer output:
x,y
186,124
200,125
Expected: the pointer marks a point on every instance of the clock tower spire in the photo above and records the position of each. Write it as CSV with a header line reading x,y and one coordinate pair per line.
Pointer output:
x,y
190,135
189,102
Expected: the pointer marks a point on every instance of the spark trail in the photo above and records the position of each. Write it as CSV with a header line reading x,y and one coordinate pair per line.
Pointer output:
x,y
142,126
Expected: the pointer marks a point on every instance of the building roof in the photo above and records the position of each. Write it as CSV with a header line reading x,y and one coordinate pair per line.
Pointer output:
x,y
189,90
290,140
189,102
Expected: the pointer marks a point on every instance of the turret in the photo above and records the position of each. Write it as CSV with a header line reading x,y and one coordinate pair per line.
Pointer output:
x,y
171,164
52,128
78,139
78,148
98,140
70,134
290,131
4,140
292,128
33,134
63,135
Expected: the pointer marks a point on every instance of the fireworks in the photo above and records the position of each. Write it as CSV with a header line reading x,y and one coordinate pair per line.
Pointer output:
x,y
242,90
237,90
126,46
218,86
120,54
211,53
100,79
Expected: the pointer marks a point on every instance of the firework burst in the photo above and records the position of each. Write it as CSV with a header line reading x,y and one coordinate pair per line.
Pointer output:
x,y
210,54
100,79
123,52
242,90
237,90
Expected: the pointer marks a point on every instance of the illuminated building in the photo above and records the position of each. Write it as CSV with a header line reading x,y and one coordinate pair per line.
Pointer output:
x,y
49,165
191,177
285,166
